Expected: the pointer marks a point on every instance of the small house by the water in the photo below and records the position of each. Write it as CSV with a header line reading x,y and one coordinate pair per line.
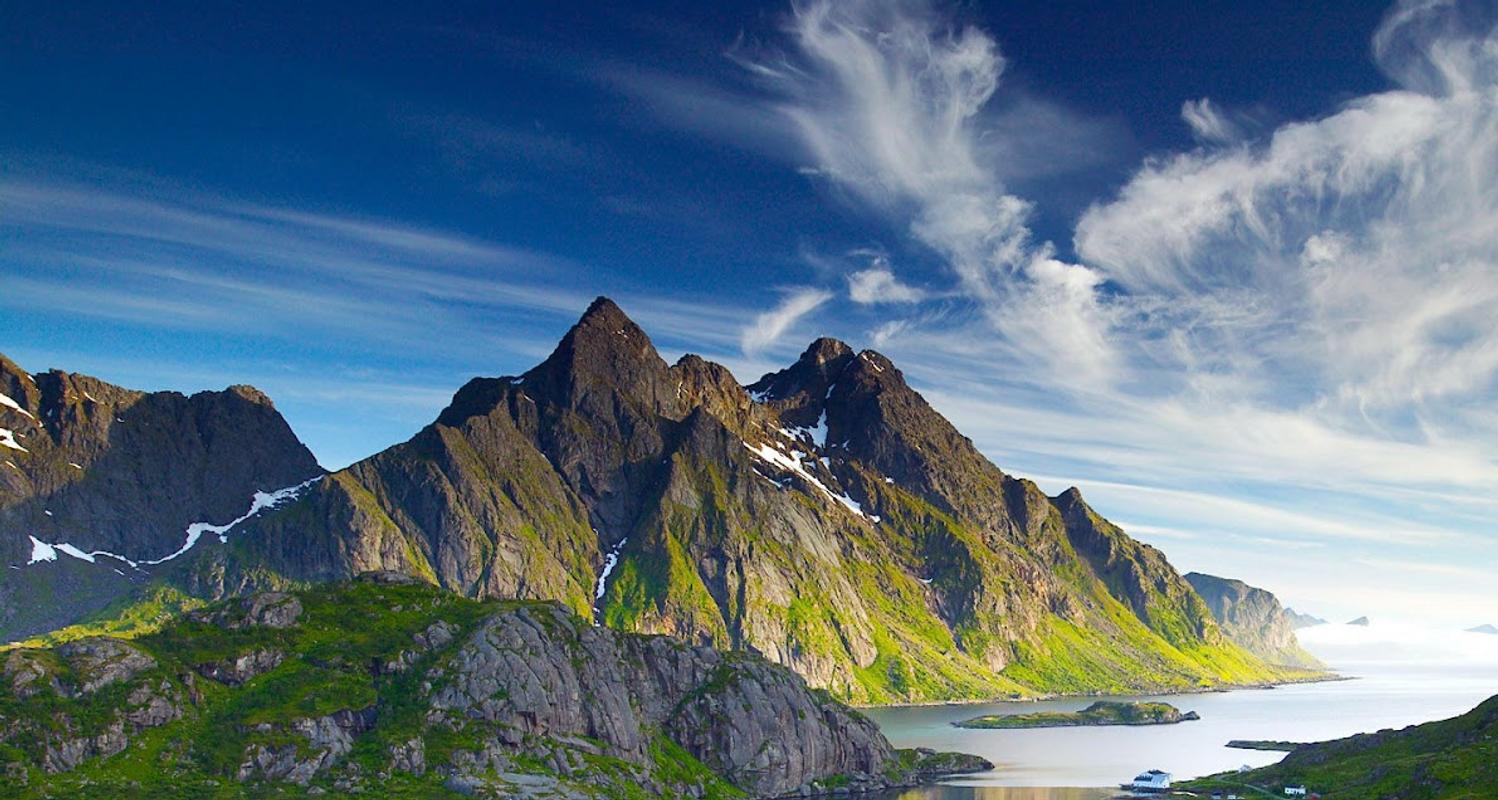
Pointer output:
x,y
1148,782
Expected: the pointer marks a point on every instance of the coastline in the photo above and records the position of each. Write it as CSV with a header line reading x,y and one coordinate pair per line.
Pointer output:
x,y
1330,677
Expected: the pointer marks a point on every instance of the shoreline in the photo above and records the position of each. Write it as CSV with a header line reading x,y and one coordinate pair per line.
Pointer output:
x,y
1330,677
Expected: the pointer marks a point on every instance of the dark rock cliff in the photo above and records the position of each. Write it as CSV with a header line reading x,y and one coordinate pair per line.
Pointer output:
x,y
103,468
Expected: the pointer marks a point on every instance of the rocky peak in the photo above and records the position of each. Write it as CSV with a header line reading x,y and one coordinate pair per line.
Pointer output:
x,y
799,392
605,352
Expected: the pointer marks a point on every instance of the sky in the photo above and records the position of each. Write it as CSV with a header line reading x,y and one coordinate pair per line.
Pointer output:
x,y
1230,268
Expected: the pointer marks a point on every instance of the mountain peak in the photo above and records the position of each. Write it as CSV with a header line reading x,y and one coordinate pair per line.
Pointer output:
x,y
605,311
825,350
604,342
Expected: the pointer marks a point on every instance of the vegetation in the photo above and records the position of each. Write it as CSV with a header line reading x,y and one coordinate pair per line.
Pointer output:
x,y
1454,759
1100,713
343,633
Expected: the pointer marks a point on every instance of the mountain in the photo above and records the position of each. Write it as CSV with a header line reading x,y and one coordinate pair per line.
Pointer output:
x,y
1453,759
1299,620
1489,629
1360,621
825,517
1253,618
97,480
390,686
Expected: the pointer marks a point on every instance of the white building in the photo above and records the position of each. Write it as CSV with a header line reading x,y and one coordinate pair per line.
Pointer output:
x,y
1148,782
1295,791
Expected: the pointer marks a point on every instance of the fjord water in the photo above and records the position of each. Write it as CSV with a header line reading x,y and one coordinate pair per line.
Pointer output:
x,y
1400,677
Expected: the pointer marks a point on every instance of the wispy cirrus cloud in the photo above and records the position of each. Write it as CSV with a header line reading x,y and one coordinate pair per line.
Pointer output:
x,y
769,326
1302,317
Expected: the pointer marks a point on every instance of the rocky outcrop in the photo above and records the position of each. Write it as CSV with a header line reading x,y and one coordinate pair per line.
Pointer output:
x,y
507,699
538,671
99,693
108,469
1253,618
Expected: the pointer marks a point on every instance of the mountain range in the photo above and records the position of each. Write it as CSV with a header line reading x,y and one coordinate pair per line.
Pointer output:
x,y
825,517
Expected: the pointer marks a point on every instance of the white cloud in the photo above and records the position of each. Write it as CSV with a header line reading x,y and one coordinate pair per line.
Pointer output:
x,y
768,327
878,284
1208,123
1302,317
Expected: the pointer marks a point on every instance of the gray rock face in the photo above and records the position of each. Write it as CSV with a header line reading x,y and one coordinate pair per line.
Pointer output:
x,y
328,739
263,609
540,672
100,661
237,670
1253,618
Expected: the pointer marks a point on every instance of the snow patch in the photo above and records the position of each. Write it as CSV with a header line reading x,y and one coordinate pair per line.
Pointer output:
x,y
793,463
8,438
260,502
41,551
67,549
11,404
819,431
610,561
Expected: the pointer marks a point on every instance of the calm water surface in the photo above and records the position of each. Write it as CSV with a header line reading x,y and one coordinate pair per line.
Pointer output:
x,y
1384,694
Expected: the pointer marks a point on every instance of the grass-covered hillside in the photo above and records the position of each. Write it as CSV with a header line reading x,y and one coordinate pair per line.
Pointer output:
x,y
395,689
1103,712
1454,759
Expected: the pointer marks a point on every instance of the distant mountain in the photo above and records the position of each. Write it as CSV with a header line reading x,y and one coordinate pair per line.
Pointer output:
x,y
1454,759
94,477
401,690
1489,629
1362,621
1253,618
1298,620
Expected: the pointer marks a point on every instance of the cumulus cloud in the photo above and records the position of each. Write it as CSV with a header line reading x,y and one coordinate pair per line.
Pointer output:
x,y
768,327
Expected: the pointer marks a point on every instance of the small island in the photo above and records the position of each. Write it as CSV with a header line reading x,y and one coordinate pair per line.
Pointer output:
x,y
1103,712
1265,744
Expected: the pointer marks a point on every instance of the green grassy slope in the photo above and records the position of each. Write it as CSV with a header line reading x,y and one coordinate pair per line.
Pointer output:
x,y
1454,759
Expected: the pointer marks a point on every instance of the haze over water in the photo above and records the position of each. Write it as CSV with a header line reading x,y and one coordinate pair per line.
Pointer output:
x,y
1403,676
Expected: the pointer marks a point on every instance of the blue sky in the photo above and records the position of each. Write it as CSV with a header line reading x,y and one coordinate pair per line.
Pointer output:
x,y
1228,267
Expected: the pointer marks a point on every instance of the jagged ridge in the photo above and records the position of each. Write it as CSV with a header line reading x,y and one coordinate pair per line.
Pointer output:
x,y
826,517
